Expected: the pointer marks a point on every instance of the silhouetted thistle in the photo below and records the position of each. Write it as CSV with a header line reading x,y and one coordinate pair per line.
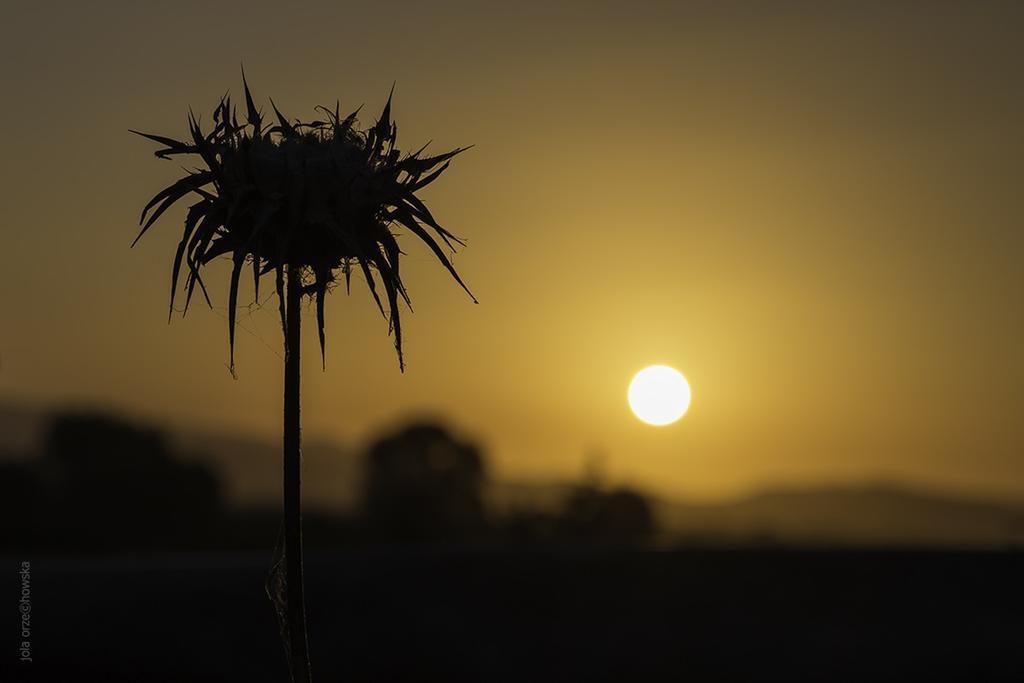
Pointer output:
x,y
306,201
318,196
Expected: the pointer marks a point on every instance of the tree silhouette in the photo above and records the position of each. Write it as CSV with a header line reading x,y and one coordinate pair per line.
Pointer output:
x,y
423,484
618,517
106,466
306,201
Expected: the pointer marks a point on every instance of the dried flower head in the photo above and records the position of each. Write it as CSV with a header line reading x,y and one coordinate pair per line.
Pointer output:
x,y
322,196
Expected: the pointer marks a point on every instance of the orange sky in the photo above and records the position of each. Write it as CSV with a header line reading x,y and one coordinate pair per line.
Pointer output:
x,y
812,211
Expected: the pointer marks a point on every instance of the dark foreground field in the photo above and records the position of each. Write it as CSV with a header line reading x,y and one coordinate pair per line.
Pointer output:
x,y
478,615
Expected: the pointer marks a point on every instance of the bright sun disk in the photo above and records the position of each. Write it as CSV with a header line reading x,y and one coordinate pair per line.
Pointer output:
x,y
659,395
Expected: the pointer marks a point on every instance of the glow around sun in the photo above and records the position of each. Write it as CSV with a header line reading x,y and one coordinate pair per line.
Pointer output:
x,y
659,395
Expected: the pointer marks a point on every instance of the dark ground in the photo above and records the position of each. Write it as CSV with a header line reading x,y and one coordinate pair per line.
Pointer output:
x,y
582,615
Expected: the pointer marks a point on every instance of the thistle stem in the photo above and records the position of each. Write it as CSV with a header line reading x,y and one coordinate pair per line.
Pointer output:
x,y
299,647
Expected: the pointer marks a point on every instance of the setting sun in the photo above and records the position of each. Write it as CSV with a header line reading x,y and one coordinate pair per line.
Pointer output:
x,y
659,395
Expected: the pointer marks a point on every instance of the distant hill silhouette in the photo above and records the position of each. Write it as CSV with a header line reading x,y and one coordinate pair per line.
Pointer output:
x,y
885,514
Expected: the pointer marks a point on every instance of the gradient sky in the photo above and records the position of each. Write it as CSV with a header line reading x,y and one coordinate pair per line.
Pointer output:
x,y
812,210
